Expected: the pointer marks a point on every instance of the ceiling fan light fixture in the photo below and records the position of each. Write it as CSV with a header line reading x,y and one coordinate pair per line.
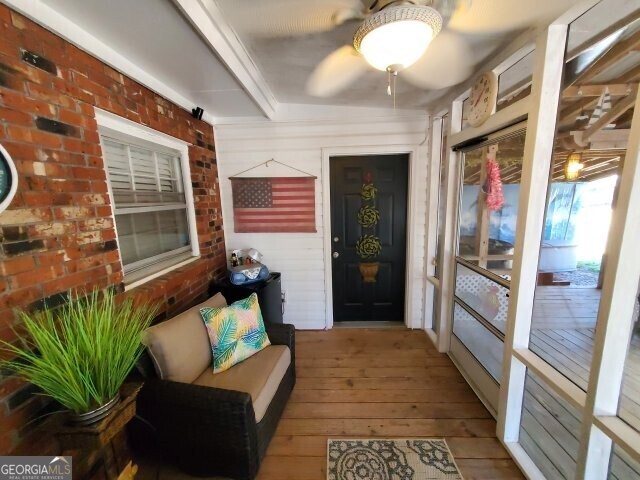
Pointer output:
x,y
396,37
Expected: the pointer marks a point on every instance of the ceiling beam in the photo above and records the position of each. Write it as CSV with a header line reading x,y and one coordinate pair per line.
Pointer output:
x,y
208,20
630,17
610,58
599,163
610,139
598,174
601,140
569,113
580,91
632,75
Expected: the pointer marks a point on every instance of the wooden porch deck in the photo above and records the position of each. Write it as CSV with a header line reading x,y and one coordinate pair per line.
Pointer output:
x,y
563,334
365,383
380,383
570,351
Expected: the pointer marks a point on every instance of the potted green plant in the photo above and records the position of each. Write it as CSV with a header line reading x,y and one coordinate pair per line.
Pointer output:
x,y
368,246
81,353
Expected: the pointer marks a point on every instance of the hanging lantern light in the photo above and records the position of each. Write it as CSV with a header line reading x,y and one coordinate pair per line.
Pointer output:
x,y
573,165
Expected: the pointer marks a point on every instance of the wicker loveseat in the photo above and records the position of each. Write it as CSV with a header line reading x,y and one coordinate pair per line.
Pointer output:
x,y
211,424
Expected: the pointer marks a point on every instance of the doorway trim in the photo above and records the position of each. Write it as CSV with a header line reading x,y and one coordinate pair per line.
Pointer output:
x,y
412,281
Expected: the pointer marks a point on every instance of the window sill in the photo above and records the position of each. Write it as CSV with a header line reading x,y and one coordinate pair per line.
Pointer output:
x,y
159,273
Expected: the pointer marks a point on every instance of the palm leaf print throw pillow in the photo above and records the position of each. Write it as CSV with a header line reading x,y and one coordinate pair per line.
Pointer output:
x,y
236,332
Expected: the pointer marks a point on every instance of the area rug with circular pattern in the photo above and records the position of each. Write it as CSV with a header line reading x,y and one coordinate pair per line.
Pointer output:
x,y
390,459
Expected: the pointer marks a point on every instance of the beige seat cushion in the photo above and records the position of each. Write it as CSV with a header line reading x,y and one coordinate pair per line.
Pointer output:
x,y
259,376
180,346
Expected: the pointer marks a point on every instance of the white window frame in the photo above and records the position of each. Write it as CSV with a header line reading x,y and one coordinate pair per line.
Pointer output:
x,y
114,123
432,283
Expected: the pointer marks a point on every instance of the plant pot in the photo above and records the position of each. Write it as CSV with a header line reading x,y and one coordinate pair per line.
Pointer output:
x,y
95,415
369,271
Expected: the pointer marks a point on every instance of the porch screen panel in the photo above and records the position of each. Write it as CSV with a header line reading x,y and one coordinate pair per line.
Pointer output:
x,y
487,218
583,186
486,297
549,430
441,198
486,347
488,207
629,407
515,82
622,466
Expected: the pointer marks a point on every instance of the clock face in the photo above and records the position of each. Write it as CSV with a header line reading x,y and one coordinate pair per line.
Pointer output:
x,y
8,179
483,99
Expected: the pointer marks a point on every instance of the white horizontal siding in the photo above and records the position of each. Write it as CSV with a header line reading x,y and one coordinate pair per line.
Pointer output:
x,y
300,256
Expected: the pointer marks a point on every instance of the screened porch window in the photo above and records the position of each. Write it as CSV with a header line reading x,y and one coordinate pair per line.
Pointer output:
x,y
150,207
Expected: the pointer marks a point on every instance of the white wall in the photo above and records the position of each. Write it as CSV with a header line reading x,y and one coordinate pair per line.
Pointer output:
x,y
301,256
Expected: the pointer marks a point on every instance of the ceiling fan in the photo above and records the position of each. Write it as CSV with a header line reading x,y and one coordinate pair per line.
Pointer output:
x,y
393,36
426,41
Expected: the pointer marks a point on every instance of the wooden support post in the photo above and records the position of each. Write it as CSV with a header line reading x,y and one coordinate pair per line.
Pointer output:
x,y
482,224
101,448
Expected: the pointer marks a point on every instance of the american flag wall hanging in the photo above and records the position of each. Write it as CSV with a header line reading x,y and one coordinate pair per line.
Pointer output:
x,y
274,204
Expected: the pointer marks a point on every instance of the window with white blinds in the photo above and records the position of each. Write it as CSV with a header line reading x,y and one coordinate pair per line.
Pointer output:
x,y
149,200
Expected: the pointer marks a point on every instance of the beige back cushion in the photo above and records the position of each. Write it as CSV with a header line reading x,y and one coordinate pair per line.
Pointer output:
x,y
180,346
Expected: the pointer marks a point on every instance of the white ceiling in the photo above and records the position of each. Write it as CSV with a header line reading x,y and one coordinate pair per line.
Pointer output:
x,y
161,39
286,62
154,35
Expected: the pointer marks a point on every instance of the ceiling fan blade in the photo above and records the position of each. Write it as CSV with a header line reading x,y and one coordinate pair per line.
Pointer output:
x,y
447,62
336,72
494,16
282,18
448,7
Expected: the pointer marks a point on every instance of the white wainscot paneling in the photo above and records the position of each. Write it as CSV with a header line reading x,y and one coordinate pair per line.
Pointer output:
x,y
300,257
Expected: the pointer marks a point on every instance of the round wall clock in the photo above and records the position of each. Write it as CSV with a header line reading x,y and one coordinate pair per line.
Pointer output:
x,y
482,98
8,179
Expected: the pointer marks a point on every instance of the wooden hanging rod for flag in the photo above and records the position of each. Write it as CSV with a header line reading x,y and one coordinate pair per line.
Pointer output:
x,y
266,164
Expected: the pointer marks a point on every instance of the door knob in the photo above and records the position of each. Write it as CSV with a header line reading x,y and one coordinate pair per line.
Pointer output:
x,y
335,254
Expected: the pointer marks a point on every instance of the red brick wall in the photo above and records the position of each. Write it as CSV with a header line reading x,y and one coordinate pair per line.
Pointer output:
x,y
58,234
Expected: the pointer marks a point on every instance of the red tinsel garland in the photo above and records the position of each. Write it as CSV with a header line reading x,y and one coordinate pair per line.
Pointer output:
x,y
493,185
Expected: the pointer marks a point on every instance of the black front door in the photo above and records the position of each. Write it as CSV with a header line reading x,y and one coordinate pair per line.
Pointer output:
x,y
368,233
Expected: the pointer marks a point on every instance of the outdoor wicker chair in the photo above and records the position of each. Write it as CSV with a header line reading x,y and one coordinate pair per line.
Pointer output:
x,y
210,431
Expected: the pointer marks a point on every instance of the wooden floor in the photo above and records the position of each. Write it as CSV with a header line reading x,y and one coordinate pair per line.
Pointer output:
x,y
364,383
565,307
550,426
570,352
563,334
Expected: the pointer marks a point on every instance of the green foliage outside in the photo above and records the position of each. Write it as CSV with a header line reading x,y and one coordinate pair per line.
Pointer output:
x,y
591,266
81,353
